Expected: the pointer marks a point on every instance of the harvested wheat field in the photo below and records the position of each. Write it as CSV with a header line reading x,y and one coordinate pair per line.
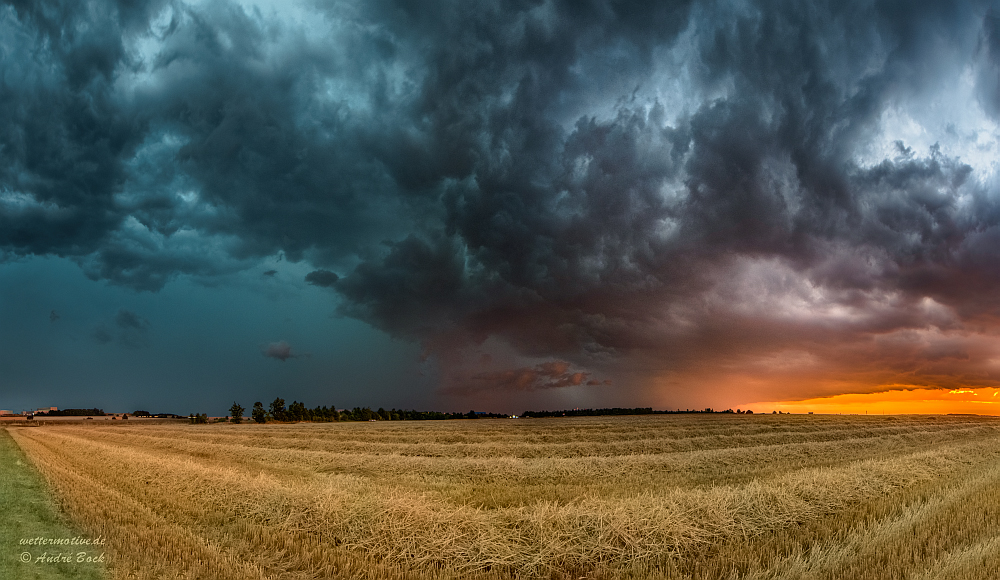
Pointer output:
x,y
681,496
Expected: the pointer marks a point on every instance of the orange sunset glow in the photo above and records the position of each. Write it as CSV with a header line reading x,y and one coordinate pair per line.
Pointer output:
x,y
980,401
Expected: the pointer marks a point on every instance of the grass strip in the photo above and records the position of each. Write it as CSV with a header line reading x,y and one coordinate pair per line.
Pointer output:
x,y
36,543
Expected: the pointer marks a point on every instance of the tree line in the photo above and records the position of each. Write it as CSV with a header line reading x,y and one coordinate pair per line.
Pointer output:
x,y
297,411
73,413
624,411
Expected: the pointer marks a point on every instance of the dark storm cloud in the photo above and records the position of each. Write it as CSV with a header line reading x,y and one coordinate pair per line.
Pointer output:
x,y
64,135
578,242
323,278
101,146
989,69
662,183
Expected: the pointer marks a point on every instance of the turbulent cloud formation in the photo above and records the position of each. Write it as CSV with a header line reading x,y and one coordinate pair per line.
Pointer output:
x,y
798,195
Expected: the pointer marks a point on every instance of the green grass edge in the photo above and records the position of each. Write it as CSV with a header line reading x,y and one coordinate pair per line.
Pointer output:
x,y
29,511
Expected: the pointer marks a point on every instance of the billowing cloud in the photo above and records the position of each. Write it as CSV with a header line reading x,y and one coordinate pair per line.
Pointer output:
x,y
783,195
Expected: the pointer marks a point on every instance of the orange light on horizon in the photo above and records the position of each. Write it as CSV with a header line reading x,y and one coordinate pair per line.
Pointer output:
x,y
902,401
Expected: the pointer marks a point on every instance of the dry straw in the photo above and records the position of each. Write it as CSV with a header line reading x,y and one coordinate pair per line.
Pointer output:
x,y
641,497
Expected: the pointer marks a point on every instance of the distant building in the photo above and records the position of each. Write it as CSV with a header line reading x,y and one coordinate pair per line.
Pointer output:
x,y
5,412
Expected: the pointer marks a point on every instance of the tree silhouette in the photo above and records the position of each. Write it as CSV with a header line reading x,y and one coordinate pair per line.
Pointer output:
x,y
259,414
278,411
236,412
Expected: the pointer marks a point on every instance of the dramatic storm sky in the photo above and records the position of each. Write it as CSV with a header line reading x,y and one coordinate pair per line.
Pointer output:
x,y
496,205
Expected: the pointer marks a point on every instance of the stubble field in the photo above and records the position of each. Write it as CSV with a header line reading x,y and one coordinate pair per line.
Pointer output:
x,y
682,496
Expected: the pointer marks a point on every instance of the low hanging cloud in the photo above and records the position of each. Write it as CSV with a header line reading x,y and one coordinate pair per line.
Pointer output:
x,y
686,193
128,320
101,334
551,375
280,350
128,329
322,278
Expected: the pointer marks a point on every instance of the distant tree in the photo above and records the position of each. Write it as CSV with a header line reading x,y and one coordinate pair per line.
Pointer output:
x,y
278,411
259,414
383,414
198,418
325,413
236,412
471,415
297,412
74,413
363,414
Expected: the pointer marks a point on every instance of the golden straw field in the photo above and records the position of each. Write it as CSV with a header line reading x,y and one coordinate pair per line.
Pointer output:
x,y
664,496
